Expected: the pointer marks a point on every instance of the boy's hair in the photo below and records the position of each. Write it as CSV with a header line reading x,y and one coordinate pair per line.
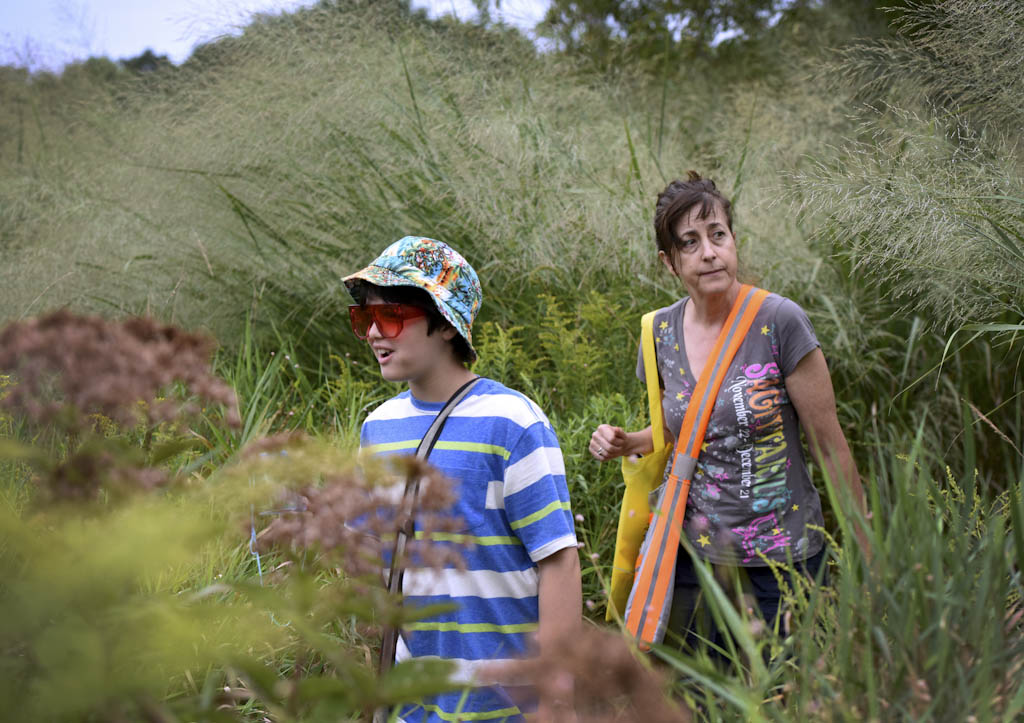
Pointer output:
x,y
419,298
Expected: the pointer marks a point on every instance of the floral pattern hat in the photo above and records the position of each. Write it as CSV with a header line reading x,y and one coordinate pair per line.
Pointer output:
x,y
435,267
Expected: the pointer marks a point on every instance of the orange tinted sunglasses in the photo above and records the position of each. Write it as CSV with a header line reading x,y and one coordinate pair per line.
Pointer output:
x,y
389,318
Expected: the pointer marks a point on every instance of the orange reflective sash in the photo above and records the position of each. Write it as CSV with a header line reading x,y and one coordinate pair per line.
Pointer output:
x,y
651,596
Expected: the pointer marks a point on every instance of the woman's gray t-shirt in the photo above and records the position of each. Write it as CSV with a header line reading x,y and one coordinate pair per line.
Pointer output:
x,y
751,493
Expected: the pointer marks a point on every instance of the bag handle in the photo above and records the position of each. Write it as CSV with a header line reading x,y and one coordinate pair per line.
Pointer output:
x,y
651,377
412,489
648,608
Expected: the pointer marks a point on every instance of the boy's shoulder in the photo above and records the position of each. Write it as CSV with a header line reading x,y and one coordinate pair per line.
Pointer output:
x,y
488,399
492,399
399,406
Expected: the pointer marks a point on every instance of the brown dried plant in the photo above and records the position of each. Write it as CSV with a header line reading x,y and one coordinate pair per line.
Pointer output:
x,y
354,521
609,683
83,380
69,367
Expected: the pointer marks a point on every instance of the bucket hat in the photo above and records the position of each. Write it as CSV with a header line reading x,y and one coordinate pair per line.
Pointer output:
x,y
435,267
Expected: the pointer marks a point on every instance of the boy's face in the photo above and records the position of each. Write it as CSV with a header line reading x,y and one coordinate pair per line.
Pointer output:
x,y
412,355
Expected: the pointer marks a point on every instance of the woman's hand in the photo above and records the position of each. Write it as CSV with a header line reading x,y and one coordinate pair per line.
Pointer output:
x,y
608,442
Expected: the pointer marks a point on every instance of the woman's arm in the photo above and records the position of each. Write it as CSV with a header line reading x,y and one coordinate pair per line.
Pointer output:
x,y
810,390
608,442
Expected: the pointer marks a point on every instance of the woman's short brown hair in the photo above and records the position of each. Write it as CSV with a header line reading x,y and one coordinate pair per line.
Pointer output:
x,y
676,201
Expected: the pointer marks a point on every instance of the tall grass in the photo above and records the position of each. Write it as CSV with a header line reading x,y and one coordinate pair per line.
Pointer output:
x,y
929,195
234,194
316,138
931,633
926,202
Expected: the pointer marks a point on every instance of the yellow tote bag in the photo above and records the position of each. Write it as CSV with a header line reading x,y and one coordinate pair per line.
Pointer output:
x,y
642,475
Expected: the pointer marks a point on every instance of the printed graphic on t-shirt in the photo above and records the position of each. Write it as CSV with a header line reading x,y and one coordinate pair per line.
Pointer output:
x,y
750,495
757,397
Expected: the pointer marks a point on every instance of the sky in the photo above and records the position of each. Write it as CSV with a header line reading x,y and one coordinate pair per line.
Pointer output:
x,y
47,34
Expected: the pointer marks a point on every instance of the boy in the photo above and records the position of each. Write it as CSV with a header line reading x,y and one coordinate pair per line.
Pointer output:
x,y
416,304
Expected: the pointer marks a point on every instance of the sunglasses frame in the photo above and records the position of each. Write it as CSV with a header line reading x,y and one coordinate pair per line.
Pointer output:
x,y
404,312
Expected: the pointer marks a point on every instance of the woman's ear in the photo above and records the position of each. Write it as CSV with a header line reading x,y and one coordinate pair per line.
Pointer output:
x,y
667,260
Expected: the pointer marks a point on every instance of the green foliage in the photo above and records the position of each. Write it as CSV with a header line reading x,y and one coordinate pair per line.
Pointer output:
x,y
574,359
652,28
916,627
234,192
279,391
899,635
80,632
501,353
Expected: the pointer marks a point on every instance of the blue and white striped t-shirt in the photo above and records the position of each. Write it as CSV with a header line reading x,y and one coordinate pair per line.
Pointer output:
x,y
499,449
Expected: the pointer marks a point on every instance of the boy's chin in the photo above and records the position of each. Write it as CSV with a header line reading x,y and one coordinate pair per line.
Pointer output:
x,y
392,375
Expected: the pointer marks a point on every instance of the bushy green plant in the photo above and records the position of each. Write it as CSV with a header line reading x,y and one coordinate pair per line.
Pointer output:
x,y
928,626
933,631
235,193
117,599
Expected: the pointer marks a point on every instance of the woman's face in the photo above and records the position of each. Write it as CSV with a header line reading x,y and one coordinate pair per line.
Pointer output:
x,y
704,259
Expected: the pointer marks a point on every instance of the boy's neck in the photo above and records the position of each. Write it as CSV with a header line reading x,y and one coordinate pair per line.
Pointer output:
x,y
441,383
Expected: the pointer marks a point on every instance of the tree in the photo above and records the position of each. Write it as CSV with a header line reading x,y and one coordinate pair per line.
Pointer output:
x,y
648,28
147,62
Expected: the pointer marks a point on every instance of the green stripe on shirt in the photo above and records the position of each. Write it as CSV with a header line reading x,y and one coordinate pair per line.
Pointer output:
x,y
502,714
483,540
474,447
540,514
449,627
412,444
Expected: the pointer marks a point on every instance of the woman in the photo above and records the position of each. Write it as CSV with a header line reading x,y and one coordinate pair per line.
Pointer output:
x,y
751,500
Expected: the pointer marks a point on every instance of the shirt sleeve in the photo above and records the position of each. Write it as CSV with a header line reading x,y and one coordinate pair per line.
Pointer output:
x,y
536,494
363,440
796,335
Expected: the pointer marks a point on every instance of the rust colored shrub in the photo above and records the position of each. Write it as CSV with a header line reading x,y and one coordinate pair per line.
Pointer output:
x,y
69,367
85,382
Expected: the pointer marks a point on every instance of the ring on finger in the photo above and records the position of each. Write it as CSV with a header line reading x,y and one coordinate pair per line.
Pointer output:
x,y
600,450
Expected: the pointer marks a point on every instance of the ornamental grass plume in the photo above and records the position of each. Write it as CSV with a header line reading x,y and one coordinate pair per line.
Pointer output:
x,y
927,194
